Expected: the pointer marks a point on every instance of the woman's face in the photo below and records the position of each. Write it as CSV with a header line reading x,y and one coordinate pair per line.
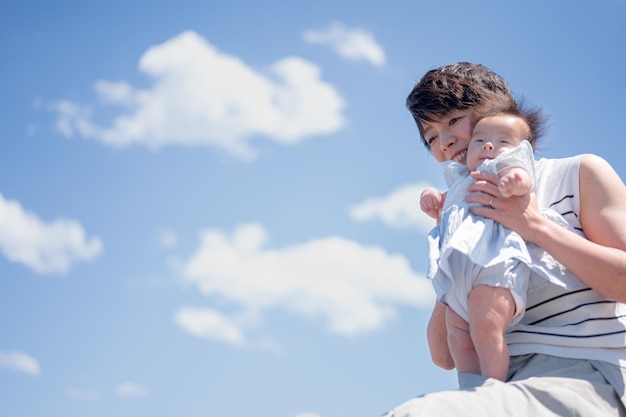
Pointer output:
x,y
448,137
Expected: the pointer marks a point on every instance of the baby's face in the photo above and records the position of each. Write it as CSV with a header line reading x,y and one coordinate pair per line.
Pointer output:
x,y
492,136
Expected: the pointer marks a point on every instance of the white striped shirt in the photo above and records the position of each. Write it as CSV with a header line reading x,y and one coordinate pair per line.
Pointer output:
x,y
577,324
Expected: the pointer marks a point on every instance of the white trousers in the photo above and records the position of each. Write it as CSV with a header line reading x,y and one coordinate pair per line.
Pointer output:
x,y
538,386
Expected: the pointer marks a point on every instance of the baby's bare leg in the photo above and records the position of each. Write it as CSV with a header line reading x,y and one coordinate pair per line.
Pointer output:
x,y
491,310
460,343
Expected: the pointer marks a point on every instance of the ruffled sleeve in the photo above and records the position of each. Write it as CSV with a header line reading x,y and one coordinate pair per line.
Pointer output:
x,y
453,171
521,156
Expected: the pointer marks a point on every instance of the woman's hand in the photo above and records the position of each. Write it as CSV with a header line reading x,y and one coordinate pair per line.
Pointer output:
x,y
518,213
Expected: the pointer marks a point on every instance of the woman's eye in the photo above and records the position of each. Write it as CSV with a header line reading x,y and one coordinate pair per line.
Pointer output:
x,y
431,140
454,120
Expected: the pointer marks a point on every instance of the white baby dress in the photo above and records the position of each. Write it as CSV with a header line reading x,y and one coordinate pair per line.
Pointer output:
x,y
467,250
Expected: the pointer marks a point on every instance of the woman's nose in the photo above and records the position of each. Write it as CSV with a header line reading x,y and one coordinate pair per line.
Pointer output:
x,y
447,141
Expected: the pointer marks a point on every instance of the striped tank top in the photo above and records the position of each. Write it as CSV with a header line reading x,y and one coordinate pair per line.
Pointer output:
x,y
578,324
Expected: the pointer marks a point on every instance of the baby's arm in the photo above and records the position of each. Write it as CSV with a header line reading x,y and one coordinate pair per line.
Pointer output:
x,y
431,202
514,181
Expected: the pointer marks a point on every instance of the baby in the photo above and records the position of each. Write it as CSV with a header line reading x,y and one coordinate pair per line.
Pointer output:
x,y
480,269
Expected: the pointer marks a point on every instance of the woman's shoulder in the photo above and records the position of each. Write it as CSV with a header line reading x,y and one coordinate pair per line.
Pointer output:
x,y
593,161
558,181
575,163
574,159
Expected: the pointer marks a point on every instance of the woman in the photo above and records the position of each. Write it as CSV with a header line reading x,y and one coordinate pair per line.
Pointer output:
x,y
569,351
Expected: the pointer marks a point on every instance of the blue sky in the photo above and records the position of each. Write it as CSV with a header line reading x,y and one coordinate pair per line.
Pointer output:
x,y
212,209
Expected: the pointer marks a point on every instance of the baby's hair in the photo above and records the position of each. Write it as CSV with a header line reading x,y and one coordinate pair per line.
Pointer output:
x,y
533,116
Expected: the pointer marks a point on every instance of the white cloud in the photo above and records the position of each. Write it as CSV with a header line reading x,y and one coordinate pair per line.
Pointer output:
x,y
45,247
232,329
400,209
202,96
131,389
19,361
82,395
210,324
352,288
350,43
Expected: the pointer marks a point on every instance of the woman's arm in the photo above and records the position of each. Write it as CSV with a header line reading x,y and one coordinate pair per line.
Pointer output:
x,y
437,335
600,261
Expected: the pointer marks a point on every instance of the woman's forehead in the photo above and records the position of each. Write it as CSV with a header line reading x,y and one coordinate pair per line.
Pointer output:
x,y
431,119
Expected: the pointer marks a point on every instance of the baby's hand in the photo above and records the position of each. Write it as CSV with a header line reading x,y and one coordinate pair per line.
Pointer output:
x,y
431,202
515,181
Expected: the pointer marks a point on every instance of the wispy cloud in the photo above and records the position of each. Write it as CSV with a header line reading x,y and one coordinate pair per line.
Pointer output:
x,y
399,209
45,247
131,389
353,288
210,324
82,394
19,361
168,239
202,96
238,329
350,43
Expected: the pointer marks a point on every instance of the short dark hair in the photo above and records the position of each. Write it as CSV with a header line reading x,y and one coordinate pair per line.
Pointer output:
x,y
533,116
457,86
